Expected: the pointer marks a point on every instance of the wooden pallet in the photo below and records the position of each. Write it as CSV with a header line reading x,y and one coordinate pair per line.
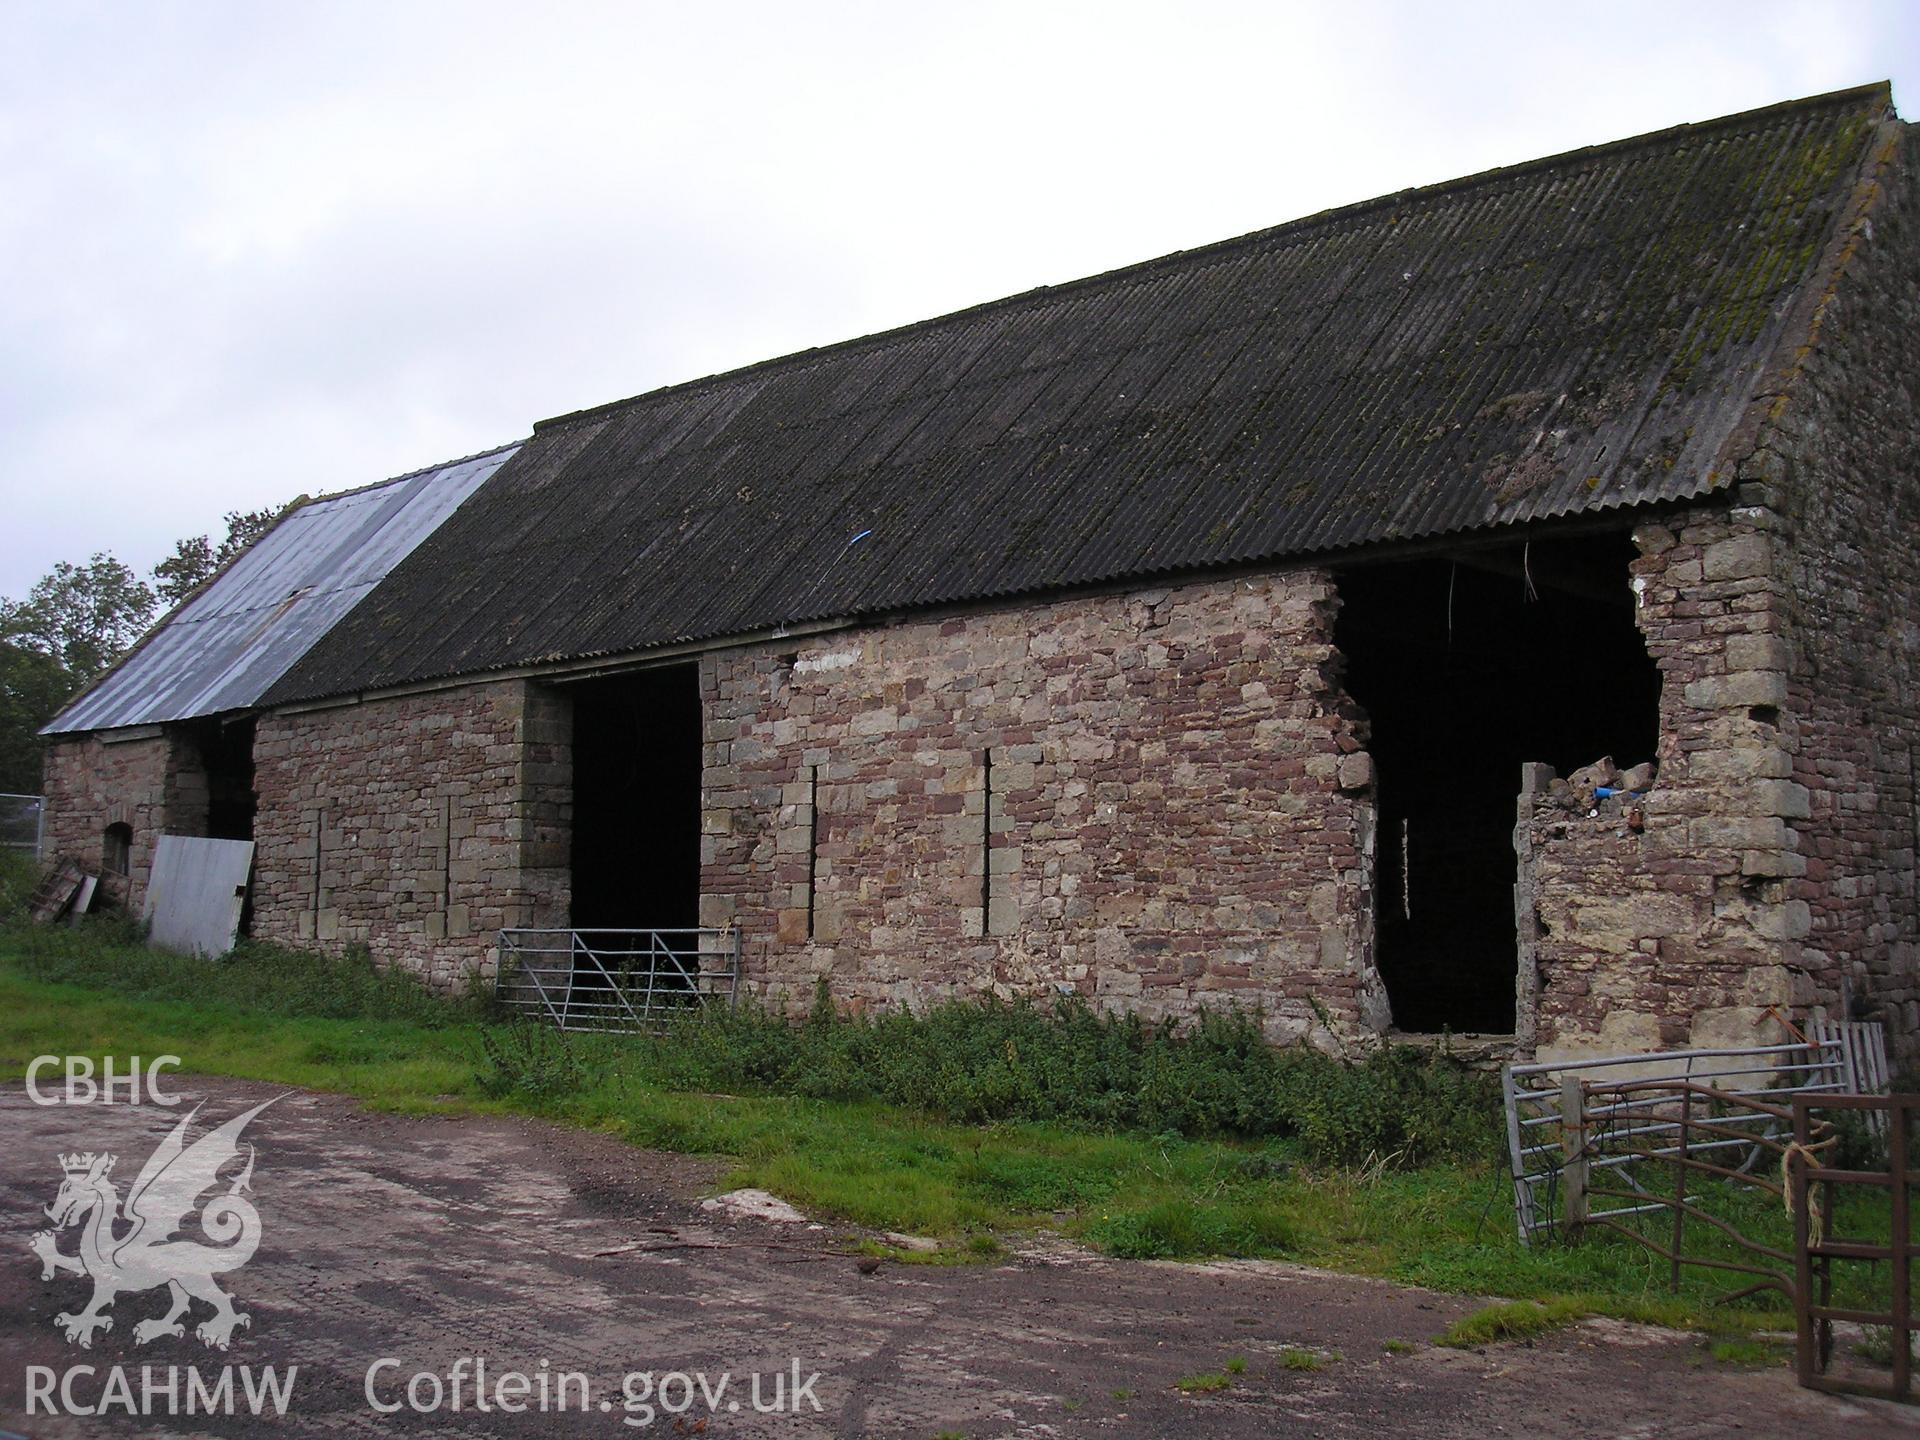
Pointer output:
x,y
56,891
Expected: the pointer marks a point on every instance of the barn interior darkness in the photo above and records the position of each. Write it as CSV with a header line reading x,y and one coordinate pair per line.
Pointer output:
x,y
225,750
636,800
1469,666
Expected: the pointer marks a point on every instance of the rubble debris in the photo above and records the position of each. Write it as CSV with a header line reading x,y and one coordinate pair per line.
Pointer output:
x,y
921,1244
1591,786
1589,779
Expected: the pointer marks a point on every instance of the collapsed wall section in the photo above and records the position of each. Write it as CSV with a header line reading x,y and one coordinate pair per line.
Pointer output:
x,y
1769,874
1156,800
417,826
1663,919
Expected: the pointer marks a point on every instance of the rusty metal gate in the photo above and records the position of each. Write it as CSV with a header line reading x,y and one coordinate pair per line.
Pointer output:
x,y
1816,1246
618,981
1661,1143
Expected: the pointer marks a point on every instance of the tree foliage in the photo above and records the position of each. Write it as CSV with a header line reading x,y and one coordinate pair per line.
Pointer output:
x,y
197,559
33,687
82,616
78,619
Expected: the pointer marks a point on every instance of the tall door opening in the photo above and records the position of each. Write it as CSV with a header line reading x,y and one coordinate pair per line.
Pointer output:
x,y
1468,667
636,800
219,802
226,752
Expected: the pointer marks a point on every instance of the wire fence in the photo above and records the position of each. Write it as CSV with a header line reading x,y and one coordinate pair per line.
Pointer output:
x,y
23,818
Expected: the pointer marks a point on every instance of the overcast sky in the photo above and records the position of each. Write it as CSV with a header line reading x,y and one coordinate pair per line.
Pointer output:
x,y
253,250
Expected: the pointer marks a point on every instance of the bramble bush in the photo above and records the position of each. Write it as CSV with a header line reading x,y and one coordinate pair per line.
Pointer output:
x,y
991,1061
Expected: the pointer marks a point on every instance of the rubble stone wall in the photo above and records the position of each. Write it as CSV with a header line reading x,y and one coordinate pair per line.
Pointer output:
x,y
1845,460
417,826
147,780
1156,800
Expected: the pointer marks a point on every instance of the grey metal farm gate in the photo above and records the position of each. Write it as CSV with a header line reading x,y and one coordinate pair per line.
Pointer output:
x,y
623,981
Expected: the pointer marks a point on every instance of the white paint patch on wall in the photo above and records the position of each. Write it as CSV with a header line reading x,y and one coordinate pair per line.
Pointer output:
x,y
832,660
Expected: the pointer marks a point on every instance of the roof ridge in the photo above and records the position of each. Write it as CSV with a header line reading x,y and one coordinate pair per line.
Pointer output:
x,y
1302,225
409,475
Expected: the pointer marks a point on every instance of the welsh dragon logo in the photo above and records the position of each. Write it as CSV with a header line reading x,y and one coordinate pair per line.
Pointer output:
x,y
130,1247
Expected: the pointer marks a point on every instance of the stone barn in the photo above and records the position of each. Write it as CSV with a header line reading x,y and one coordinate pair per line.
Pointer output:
x,y
1491,608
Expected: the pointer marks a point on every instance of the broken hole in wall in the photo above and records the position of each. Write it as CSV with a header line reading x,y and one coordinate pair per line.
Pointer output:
x,y
1469,666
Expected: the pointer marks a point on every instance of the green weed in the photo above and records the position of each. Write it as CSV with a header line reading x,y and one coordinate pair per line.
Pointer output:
x,y
1205,1384
1744,1352
108,952
19,874
1186,1229
1518,1320
991,1062
528,1059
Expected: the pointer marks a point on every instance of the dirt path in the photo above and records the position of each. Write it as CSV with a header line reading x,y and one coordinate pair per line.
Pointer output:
x,y
425,1240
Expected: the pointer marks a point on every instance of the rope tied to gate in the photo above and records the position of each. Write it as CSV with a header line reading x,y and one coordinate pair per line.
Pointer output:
x,y
1816,1217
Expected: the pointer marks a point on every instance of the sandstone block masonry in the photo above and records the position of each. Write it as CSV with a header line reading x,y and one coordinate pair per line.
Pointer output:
x,y
148,779
1841,468
1155,800
417,826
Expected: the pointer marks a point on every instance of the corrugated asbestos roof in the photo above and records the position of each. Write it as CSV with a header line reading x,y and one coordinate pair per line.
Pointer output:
x,y
230,641
1570,335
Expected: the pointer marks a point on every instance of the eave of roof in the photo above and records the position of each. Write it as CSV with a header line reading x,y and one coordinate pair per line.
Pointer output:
x,y
225,644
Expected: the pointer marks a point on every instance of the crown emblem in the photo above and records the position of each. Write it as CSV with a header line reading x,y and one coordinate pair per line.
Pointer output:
x,y
80,1164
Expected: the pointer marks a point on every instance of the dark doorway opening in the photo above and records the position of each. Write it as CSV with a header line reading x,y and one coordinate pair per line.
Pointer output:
x,y
1468,667
636,800
226,756
224,749
116,850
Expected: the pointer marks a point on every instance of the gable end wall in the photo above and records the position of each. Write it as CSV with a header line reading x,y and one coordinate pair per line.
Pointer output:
x,y
1844,452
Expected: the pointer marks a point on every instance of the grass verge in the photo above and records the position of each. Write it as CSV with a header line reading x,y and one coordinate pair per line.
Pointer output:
x,y
336,1025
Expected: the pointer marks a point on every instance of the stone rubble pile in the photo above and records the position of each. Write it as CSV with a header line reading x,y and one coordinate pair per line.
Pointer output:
x,y
1581,790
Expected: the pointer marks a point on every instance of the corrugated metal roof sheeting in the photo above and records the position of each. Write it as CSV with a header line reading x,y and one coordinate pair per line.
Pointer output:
x,y
1573,335
227,645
